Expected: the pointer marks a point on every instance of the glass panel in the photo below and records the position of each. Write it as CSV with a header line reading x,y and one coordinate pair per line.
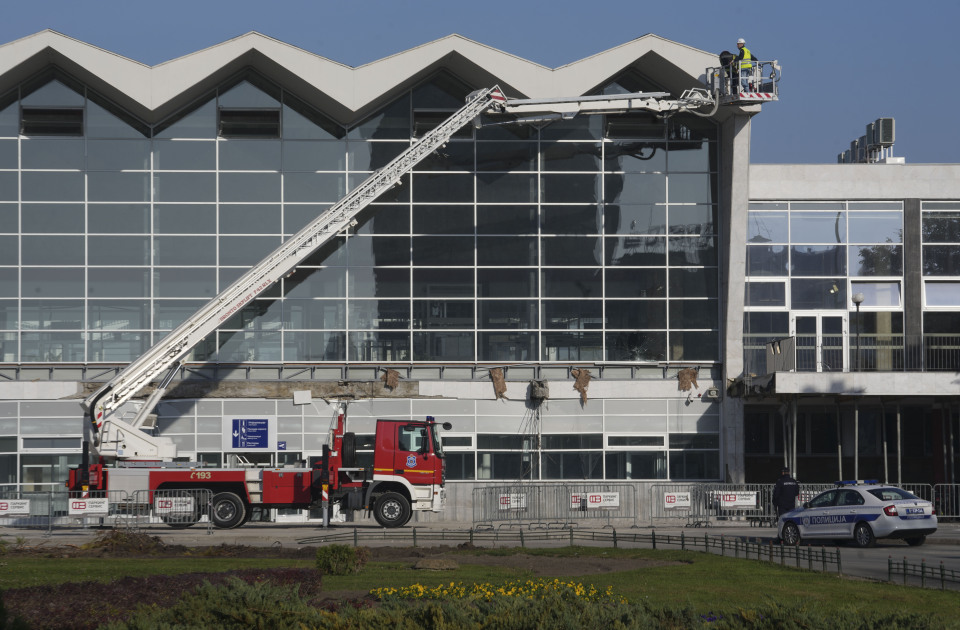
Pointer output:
x,y
695,188
941,293
941,260
818,293
180,219
245,94
314,156
573,314
9,250
824,260
52,314
634,219
506,251
692,251
694,346
379,283
434,314
52,250
50,153
877,260
8,218
570,219
52,347
507,188
494,283
9,186
635,283
442,250
443,346
392,122
767,294
636,314
636,465
249,155
694,465
571,250
117,347
313,313
576,346
442,187
118,314
119,282
250,219
379,346
767,260
251,187
246,250
570,188
312,187
184,282
199,123
53,94
243,346
940,227
49,217
443,219
379,314
570,156
175,155
506,156
767,227
508,220
635,188
303,122
442,282
185,250
51,186
191,187
168,314
692,156
818,227
103,124
579,283
507,314
369,156
636,157
694,283
116,155
118,250
876,227
637,251
693,314
329,282
110,186
314,346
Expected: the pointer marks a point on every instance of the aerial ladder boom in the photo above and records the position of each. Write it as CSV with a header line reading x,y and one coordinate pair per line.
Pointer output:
x,y
118,438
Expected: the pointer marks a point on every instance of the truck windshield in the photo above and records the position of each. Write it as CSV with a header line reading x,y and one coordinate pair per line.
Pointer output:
x,y
437,443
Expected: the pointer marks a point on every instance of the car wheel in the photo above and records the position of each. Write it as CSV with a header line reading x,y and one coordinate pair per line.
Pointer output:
x,y
916,541
863,536
791,535
392,510
227,510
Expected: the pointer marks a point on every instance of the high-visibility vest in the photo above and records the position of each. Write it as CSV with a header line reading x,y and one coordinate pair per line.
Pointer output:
x,y
747,61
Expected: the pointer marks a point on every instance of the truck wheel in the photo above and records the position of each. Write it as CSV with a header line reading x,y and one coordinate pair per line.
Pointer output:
x,y
348,450
392,510
227,510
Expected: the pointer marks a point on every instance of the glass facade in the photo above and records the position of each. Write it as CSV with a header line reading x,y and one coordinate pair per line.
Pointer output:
x,y
587,240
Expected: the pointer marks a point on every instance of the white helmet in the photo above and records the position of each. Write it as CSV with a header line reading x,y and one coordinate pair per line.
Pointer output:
x,y
741,41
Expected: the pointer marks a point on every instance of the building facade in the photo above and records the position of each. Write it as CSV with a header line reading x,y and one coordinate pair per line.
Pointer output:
x,y
636,266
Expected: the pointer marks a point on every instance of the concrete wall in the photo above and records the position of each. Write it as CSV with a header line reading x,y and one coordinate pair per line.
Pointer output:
x,y
854,181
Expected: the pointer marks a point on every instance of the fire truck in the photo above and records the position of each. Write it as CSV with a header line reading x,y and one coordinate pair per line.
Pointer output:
x,y
120,456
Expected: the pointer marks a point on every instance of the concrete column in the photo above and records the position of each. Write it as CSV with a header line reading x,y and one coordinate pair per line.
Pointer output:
x,y
733,202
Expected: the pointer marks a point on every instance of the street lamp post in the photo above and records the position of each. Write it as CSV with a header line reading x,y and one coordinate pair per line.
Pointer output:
x,y
858,300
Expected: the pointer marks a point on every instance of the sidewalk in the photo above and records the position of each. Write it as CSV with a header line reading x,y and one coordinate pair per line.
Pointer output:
x,y
288,535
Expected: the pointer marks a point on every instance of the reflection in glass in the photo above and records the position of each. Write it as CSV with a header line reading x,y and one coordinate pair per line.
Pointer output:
x,y
876,260
507,188
570,250
644,283
378,346
572,346
433,314
507,346
941,260
941,227
507,314
876,227
314,346
573,314
819,260
818,293
818,227
379,314
637,251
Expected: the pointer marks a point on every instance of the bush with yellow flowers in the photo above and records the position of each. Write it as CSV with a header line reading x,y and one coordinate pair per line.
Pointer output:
x,y
528,589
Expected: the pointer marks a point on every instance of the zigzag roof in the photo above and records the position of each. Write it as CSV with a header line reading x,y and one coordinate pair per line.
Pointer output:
x,y
342,92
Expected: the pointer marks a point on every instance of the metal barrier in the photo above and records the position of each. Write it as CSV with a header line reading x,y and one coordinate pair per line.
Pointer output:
x,y
177,508
672,502
946,498
554,505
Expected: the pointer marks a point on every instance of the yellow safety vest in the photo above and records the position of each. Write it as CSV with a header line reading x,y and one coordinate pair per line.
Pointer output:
x,y
747,61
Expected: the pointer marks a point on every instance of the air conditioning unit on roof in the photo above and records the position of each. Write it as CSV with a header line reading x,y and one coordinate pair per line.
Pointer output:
x,y
885,131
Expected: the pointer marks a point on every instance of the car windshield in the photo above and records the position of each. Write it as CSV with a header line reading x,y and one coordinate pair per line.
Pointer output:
x,y
892,494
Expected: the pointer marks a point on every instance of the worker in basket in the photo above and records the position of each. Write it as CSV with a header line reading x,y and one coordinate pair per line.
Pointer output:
x,y
746,61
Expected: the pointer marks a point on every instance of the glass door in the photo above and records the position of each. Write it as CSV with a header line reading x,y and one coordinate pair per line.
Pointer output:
x,y
821,341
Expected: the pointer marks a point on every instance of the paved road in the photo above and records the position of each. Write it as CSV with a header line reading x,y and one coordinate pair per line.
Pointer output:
x,y
943,546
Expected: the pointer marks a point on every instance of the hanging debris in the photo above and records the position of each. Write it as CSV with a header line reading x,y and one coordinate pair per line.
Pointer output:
x,y
499,384
686,378
539,392
582,383
390,378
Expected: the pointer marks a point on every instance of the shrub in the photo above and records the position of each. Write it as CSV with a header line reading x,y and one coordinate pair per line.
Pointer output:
x,y
10,623
341,559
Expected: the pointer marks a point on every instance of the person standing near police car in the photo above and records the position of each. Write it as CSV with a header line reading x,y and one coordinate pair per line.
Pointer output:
x,y
785,493
745,61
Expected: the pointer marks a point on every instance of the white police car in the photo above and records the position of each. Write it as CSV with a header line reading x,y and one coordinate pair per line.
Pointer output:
x,y
862,512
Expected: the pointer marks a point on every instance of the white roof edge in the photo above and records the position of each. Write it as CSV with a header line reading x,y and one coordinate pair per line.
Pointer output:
x,y
354,88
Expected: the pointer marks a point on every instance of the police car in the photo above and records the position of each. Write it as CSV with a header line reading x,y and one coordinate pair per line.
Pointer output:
x,y
862,512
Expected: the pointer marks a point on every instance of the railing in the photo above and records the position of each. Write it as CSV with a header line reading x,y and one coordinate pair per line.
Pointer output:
x,y
936,575
872,353
554,504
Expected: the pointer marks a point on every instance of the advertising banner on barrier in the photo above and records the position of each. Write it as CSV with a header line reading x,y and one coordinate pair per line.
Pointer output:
x,y
84,507
513,501
672,500
14,507
593,500
738,500
173,505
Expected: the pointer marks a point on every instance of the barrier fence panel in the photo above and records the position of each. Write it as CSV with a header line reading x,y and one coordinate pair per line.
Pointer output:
x,y
946,498
922,490
671,502
752,502
175,508
547,505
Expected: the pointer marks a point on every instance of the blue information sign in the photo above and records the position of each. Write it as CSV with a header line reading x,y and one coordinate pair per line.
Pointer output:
x,y
250,433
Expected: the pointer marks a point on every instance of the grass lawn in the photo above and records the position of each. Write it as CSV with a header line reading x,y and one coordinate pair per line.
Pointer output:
x,y
701,581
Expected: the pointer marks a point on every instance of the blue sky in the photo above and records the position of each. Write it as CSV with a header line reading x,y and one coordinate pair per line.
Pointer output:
x,y
845,62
